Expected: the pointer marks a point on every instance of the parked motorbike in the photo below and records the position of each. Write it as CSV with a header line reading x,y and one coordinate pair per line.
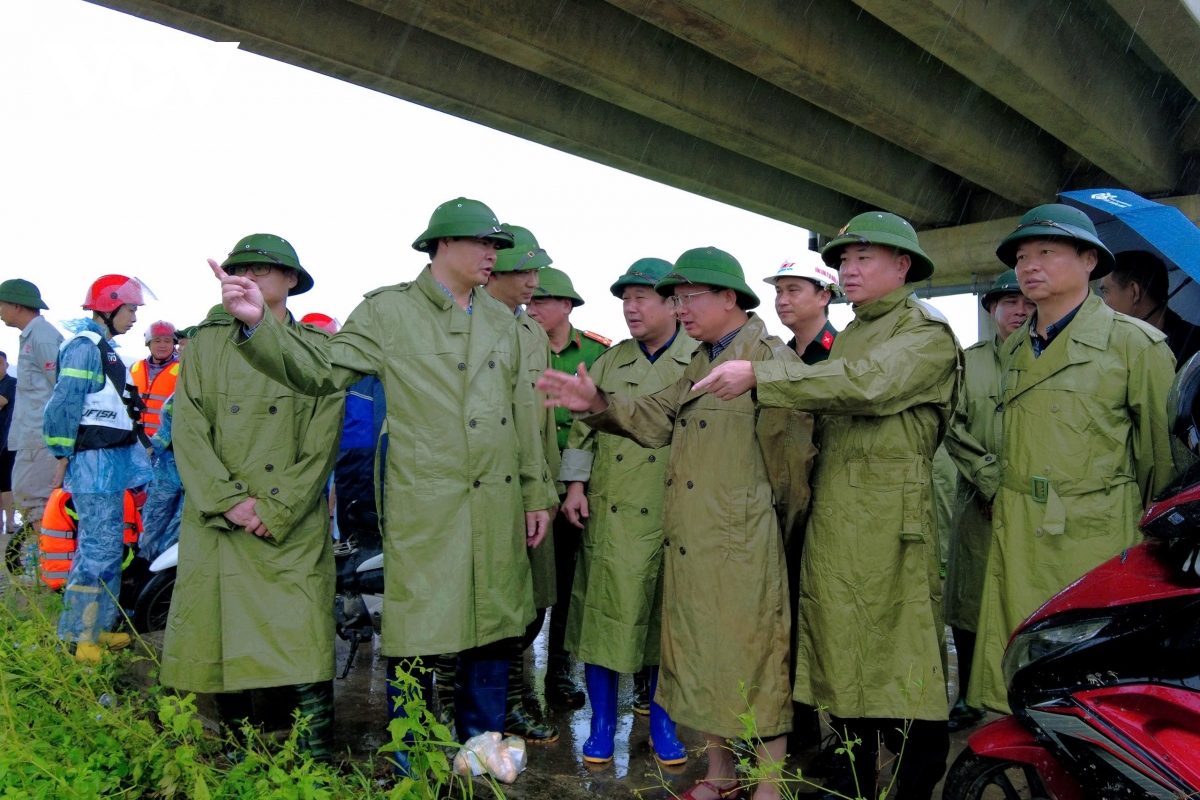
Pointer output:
x,y
1104,679
358,602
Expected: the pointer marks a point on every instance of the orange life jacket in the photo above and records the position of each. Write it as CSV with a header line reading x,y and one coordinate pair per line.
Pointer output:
x,y
154,393
56,545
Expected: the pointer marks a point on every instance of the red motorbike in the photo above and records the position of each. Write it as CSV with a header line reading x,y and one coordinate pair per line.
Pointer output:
x,y
1104,679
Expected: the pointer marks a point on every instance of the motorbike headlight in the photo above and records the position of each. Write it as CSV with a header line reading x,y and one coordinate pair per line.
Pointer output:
x,y
1031,646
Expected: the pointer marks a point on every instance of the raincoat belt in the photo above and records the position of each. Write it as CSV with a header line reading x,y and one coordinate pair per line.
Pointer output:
x,y
1041,487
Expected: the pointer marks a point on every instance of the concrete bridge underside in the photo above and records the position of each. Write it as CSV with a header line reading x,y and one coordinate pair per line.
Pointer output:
x,y
958,114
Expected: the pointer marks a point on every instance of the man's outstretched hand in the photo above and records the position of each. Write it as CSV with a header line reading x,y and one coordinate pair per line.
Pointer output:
x,y
576,392
729,380
240,296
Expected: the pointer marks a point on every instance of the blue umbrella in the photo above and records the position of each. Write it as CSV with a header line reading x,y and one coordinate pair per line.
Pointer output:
x,y
1127,221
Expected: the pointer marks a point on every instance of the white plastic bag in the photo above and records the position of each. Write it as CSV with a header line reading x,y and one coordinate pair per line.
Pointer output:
x,y
504,759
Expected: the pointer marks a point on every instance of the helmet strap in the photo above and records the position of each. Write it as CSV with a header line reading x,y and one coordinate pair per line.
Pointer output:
x,y
108,321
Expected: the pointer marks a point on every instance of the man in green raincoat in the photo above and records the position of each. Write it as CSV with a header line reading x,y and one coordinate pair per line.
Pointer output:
x,y
513,281
869,645
551,306
253,601
615,493
973,443
1085,445
466,489
725,595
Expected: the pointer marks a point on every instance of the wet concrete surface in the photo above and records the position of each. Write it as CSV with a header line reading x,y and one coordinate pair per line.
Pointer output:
x,y
556,771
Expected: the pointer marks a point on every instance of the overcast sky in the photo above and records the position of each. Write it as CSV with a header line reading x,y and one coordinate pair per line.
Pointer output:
x,y
134,148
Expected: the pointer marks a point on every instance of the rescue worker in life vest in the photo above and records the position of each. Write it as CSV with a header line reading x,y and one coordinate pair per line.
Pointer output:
x,y
1085,446
726,621
973,443
615,619
253,601
91,425
465,489
156,374
869,645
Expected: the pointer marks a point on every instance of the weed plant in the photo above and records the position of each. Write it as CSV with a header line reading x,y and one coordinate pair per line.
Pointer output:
x,y
73,730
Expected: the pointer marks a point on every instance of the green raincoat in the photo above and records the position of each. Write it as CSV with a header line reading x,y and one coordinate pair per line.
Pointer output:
x,y
725,594
250,612
616,602
535,353
870,635
1085,449
464,459
973,443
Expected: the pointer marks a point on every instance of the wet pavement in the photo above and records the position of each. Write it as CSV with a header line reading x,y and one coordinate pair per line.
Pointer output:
x,y
556,771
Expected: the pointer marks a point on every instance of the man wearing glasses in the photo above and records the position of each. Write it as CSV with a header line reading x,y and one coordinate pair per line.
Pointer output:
x,y
869,644
726,622
465,488
253,602
1085,445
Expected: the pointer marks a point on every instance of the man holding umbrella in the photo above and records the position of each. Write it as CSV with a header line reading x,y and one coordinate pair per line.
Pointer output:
x,y
1085,443
1139,286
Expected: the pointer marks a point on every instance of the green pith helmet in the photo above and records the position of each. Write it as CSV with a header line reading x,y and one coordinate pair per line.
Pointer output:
x,y
524,254
1058,221
463,218
880,227
556,283
711,266
1005,284
267,248
21,292
643,272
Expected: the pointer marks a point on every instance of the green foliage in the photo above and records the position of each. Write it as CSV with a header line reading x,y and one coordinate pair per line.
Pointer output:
x,y
73,730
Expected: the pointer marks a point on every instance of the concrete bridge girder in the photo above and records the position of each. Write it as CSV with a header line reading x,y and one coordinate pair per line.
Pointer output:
x,y
359,45
822,51
1057,72
655,74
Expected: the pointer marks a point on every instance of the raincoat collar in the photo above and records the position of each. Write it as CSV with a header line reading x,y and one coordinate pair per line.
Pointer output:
x,y
877,308
1087,334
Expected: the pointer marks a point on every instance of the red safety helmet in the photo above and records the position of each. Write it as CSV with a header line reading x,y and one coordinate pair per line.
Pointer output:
x,y
110,292
322,321
161,328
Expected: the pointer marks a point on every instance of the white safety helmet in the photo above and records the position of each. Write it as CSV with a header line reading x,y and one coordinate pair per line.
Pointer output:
x,y
821,275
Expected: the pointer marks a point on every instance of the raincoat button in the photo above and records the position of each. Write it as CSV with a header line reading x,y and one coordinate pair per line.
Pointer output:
x,y
614,509
1004,464
270,467
651,459
508,478
1038,532
1054,407
645,511
476,484
237,486
666,542
1045,470
683,551
620,457
234,410
274,491
461,366
683,423
689,484
272,410
504,420
703,424
829,511
471,423
989,459
670,481
491,365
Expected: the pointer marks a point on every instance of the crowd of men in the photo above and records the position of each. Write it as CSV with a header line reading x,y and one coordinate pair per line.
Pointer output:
x,y
735,520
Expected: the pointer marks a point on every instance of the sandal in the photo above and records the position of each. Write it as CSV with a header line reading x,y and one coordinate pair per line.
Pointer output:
x,y
734,792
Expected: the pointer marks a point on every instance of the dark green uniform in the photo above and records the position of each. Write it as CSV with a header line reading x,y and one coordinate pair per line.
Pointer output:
x,y
583,347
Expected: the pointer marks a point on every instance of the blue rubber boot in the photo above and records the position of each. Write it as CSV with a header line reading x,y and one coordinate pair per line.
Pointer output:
x,y
480,697
602,692
396,698
668,750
